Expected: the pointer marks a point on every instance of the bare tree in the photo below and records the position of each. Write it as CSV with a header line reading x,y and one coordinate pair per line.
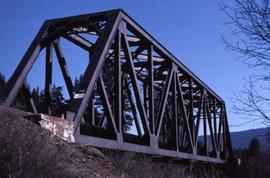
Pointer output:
x,y
251,21
252,103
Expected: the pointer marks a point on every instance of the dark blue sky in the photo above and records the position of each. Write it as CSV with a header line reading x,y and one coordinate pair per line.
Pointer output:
x,y
191,30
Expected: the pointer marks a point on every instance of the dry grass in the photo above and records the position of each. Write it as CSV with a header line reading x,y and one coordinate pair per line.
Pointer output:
x,y
140,165
27,150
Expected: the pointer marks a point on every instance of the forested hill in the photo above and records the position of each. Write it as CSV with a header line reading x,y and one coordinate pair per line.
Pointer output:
x,y
242,139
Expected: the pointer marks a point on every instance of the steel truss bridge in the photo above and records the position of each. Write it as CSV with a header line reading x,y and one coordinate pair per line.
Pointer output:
x,y
130,76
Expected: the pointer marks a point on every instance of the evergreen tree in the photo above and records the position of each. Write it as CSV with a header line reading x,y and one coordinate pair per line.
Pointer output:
x,y
57,100
254,148
35,95
254,162
2,85
42,108
77,82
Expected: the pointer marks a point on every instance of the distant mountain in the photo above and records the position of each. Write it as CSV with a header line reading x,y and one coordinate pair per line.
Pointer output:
x,y
242,139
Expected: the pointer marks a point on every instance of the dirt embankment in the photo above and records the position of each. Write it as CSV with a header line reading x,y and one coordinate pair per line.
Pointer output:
x,y
27,150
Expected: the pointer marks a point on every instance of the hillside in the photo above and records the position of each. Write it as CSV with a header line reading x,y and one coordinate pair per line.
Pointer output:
x,y
27,150
242,139
35,152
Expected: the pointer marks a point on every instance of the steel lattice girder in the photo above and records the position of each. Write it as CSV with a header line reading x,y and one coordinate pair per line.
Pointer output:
x,y
130,75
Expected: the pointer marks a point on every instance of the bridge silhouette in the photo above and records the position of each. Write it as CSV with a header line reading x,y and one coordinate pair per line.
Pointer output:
x,y
129,76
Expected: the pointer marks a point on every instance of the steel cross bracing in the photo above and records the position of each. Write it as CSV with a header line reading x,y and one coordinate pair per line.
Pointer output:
x,y
129,76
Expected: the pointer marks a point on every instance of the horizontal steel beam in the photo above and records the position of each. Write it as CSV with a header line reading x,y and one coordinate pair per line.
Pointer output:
x,y
106,143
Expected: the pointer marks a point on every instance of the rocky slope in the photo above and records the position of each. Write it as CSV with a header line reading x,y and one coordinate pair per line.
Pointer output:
x,y
31,151
27,150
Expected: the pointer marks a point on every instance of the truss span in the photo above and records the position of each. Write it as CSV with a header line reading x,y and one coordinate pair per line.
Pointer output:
x,y
134,94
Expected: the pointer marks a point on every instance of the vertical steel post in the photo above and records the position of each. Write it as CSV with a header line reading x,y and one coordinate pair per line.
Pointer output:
x,y
48,77
151,89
